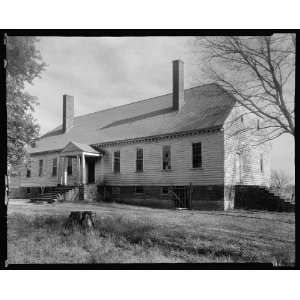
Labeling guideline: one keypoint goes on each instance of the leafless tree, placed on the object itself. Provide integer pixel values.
(260, 72)
(279, 180)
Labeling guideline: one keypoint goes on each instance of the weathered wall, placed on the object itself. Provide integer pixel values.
(182, 173)
(46, 179)
(250, 152)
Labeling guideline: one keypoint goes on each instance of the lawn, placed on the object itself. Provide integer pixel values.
(130, 234)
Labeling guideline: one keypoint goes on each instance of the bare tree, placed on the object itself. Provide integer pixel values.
(260, 73)
(279, 180)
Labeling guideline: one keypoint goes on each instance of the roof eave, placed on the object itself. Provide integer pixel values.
(141, 139)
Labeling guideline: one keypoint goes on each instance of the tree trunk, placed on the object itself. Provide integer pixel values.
(80, 220)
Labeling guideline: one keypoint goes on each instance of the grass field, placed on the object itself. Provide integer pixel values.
(130, 234)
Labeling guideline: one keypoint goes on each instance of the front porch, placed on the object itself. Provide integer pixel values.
(85, 160)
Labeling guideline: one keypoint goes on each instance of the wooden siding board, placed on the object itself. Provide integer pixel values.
(182, 173)
(47, 179)
(250, 154)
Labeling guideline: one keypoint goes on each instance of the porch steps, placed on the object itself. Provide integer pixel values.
(53, 195)
(265, 198)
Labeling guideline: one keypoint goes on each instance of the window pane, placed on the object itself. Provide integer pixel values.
(166, 157)
(40, 167)
(139, 160)
(139, 153)
(117, 161)
(54, 168)
(28, 170)
(139, 165)
(197, 157)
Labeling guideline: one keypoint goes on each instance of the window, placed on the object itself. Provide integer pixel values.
(197, 156)
(54, 167)
(117, 161)
(165, 190)
(28, 190)
(261, 163)
(139, 160)
(69, 169)
(139, 189)
(28, 171)
(41, 167)
(166, 157)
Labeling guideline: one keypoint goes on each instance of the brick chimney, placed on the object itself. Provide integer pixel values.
(68, 112)
(178, 84)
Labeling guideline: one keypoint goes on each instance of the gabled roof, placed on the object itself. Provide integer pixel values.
(77, 147)
(205, 106)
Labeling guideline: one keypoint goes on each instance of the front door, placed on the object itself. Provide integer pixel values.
(90, 170)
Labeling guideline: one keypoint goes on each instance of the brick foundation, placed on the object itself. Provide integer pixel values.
(203, 197)
(209, 197)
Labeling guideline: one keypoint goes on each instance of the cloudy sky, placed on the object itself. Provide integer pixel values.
(111, 71)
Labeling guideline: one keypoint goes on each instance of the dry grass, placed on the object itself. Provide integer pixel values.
(128, 234)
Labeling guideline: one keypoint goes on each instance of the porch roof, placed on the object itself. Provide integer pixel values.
(77, 148)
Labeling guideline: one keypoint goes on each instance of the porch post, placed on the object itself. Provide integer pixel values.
(57, 169)
(83, 168)
(78, 169)
(61, 168)
(65, 170)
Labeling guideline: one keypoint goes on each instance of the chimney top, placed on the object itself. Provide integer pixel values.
(178, 84)
(68, 112)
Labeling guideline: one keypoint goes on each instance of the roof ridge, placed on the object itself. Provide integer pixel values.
(131, 103)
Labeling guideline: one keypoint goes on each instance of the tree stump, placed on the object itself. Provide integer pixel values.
(80, 220)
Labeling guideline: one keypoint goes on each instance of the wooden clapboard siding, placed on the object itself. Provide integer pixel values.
(47, 179)
(250, 154)
(182, 173)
